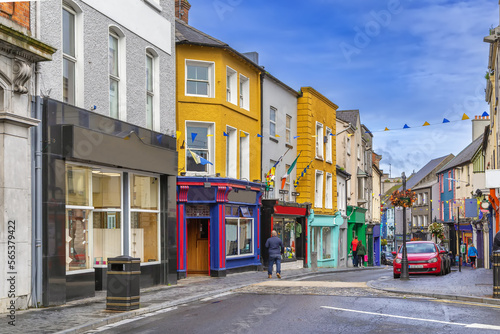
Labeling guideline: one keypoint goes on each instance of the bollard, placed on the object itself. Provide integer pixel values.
(314, 261)
(496, 274)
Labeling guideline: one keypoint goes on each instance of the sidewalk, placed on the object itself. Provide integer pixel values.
(87, 314)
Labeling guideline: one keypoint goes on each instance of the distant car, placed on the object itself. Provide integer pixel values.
(446, 260)
(424, 257)
(386, 258)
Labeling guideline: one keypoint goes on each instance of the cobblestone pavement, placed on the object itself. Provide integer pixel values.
(82, 315)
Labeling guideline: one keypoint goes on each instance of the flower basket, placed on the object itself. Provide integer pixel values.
(403, 198)
(437, 229)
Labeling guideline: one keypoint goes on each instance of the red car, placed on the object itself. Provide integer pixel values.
(424, 257)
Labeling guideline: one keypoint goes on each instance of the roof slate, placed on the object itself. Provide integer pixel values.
(186, 33)
(423, 172)
(465, 155)
(350, 116)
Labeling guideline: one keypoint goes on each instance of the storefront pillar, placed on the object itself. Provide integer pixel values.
(217, 240)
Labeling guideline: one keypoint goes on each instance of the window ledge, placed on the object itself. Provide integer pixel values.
(274, 139)
(154, 5)
(289, 146)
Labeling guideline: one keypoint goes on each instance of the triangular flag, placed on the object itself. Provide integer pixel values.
(296, 137)
(198, 159)
(445, 120)
(177, 134)
(126, 137)
(485, 114)
(406, 126)
(159, 137)
(225, 134)
(386, 129)
(210, 135)
(258, 135)
(277, 135)
(464, 117)
(313, 135)
(426, 123)
(193, 136)
(283, 178)
(331, 134)
(242, 134)
(348, 135)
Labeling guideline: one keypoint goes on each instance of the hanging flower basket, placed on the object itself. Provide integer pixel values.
(437, 229)
(403, 198)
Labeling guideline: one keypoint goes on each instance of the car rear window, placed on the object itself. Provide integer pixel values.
(419, 248)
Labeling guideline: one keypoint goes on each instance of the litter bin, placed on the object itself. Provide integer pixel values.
(123, 285)
(314, 261)
(496, 274)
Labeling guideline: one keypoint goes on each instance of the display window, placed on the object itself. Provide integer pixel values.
(286, 229)
(239, 236)
(77, 239)
(144, 213)
(322, 242)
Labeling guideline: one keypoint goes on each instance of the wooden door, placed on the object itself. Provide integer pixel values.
(197, 246)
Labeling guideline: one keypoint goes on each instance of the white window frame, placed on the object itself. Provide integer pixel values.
(231, 86)
(231, 152)
(78, 59)
(319, 141)
(122, 72)
(238, 235)
(425, 221)
(271, 121)
(244, 155)
(424, 198)
(318, 188)
(210, 148)
(244, 99)
(329, 191)
(288, 129)
(348, 145)
(155, 93)
(211, 76)
(328, 145)
(415, 221)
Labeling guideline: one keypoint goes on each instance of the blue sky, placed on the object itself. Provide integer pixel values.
(397, 61)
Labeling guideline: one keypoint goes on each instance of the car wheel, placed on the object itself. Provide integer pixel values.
(397, 275)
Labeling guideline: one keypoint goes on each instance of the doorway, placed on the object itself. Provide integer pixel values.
(198, 246)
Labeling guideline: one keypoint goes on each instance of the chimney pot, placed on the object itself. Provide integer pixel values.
(182, 10)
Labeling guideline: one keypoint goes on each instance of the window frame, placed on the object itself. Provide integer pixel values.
(120, 78)
(210, 65)
(231, 152)
(329, 191)
(328, 146)
(238, 219)
(244, 156)
(244, 92)
(155, 93)
(210, 147)
(78, 58)
(288, 129)
(231, 85)
(318, 195)
(319, 141)
(271, 121)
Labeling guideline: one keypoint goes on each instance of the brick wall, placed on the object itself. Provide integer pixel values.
(18, 12)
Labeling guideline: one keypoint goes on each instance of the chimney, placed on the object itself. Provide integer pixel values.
(182, 10)
(478, 124)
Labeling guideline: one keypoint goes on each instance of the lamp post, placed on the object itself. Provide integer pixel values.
(405, 275)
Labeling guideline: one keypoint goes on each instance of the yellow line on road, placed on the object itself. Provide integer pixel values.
(315, 284)
(466, 303)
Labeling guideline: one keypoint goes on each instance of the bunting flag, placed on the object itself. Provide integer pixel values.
(426, 123)
(386, 129)
(199, 160)
(485, 114)
(193, 136)
(296, 183)
(445, 120)
(177, 134)
(225, 134)
(288, 172)
(270, 178)
(277, 135)
(159, 138)
(464, 117)
(210, 135)
(406, 126)
(295, 137)
(242, 134)
(259, 135)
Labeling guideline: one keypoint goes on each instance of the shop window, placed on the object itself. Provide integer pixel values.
(144, 213)
(77, 241)
(286, 232)
(239, 236)
(78, 185)
(326, 238)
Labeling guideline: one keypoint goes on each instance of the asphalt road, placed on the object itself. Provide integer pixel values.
(361, 275)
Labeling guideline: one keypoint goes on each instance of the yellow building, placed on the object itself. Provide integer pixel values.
(316, 128)
(219, 155)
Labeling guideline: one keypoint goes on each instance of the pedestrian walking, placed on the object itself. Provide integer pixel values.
(472, 253)
(354, 250)
(275, 246)
(361, 254)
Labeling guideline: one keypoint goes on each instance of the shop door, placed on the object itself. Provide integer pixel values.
(197, 246)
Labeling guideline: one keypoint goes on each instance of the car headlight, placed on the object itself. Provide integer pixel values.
(433, 260)
(398, 261)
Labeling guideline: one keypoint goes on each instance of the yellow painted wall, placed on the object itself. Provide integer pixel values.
(217, 109)
(313, 107)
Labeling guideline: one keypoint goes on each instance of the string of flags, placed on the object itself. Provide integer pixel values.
(296, 182)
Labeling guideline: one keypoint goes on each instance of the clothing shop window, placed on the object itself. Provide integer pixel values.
(286, 229)
(144, 214)
(239, 236)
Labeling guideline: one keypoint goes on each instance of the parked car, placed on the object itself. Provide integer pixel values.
(424, 257)
(386, 257)
(446, 260)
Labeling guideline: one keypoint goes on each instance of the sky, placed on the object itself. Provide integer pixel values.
(397, 61)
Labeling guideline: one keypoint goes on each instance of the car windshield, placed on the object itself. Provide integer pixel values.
(419, 248)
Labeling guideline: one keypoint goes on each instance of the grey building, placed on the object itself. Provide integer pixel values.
(108, 153)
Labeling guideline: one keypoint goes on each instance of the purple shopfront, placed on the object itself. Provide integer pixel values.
(218, 226)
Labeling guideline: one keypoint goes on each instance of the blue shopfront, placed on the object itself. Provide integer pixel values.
(323, 239)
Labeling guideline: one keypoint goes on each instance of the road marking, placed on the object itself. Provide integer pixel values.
(321, 284)
(480, 326)
(217, 296)
(466, 303)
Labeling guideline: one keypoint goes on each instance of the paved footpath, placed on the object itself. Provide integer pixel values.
(84, 315)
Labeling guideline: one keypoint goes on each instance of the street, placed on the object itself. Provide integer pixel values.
(325, 303)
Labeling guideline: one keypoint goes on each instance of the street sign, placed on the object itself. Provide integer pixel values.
(295, 193)
(282, 191)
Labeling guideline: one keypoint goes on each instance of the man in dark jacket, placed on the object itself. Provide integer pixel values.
(275, 246)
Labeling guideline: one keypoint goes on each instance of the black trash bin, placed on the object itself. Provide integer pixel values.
(123, 286)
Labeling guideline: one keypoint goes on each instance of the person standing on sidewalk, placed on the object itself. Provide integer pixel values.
(275, 246)
(354, 250)
(361, 254)
(472, 253)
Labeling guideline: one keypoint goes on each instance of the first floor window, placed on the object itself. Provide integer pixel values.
(318, 196)
(199, 78)
(239, 236)
(198, 145)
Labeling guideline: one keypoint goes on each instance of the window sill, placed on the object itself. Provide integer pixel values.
(289, 146)
(239, 257)
(319, 158)
(154, 5)
(274, 139)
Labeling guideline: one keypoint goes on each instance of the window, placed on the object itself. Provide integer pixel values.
(152, 94)
(328, 148)
(425, 218)
(329, 192)
(231, 85)
(244, 156)
(450, 210)
(415, 221)
(231, 152)
(272, 121)
(419, 221)
(441, 183)
(198, 143)
(348, 145)
(288, 126)
(144, 214)
(72, 55)
(200, 78)
(319, 140)
(318, 198)
(419, 199)
(117, 79)
(424, 198)
(449, 180)
(244, 92)
(239, 236)
(286, 232)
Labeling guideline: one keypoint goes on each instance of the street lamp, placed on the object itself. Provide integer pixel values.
(405, 275)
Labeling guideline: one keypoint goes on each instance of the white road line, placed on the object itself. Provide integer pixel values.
(217, 296)
(481, 326)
